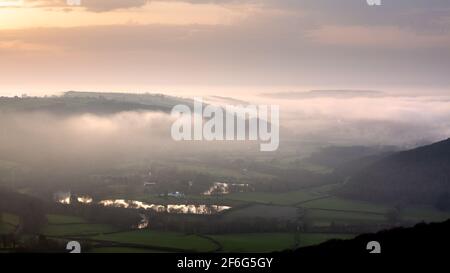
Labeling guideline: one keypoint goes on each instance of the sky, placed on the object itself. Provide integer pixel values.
(224, 46)
(269, 50)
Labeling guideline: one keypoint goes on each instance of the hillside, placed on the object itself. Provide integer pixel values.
(337, 157)
(420, 240)
(91, 102)
(420, 176)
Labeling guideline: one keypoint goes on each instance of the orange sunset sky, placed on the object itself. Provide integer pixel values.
(222, 46)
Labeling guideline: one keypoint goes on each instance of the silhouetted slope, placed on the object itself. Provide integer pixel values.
(421, 175)
(422, 239)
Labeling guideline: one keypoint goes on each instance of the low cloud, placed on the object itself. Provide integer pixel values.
(396, 120)
(339, 94)
(110, 5)
(377, 36)
(74, 142)
(92, 5)
(37, 138)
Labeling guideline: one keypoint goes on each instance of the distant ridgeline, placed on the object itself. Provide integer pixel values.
(73, 102)
(420, 176)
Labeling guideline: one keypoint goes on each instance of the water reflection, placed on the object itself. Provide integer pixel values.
(85, 199)
(172, 208)
(67, 198)
(144, 222)
(220, 188)
(63, 197)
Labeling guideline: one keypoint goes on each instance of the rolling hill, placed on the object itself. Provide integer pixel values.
(74, 102)
(419, 176)
(420, 241)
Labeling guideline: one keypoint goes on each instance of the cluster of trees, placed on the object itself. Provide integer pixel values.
(8, 241)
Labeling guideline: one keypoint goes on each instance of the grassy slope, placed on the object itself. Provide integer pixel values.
(8, 223)
(255, 242)
(77, 229)
(160, 239)
(121, 250)
(269, 242)
(336, 203)
(66, 225)
(288, 198)
(58, 219)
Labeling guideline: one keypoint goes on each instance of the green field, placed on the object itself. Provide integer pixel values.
(58, 219)
(319, 210)
(339, 209)
(326, 217)
(77, 230)
(263, 211)
(288, 198)
(424, 214)
(308, 239)
(270, 242)
(8, 223)
(160, 240)
(220, 171)
(6, 228)
(11, 219)
(107, 240)
(120, 250)
(337, 203)
(255, 242)
(67, 225)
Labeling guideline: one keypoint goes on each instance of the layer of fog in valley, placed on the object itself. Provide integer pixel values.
(349, 162)
(44, 136)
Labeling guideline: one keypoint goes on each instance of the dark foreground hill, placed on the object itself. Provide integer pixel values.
(422, 239)
(420, 176)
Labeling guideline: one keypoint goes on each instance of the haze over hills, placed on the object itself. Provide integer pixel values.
(338, 94)
(339, 157)
(148, 99)
(420, 176)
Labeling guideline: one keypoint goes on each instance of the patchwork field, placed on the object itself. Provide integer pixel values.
(8, 222)
(77, 229)
(58, 219)
(121, 250)
(270, 242)
(64, 225)
(326, 217)
(160, 240)
(263, 211)
(288, 198)
(336, 203)
(106, 239)
(425, 214)
(255, 242)
(220, 171)
(308, 239)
